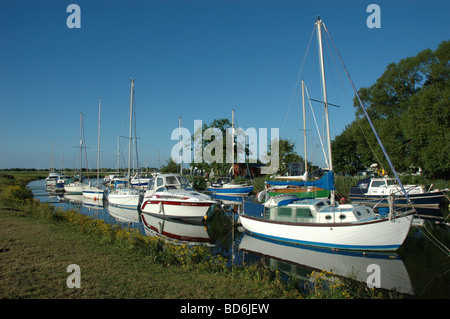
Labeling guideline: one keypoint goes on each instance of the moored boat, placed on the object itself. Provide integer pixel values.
(170, 195)
(124, 195)
(376, 191)
(94, 192)
(344, 226)
(225, 187)
(51, 179)
(312, 222)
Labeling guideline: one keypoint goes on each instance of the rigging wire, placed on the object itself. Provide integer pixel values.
(296, 87)
(440, 245)
(317, 127)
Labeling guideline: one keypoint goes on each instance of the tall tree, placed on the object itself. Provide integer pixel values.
(409, 106)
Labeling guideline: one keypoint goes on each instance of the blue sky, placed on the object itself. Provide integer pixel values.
(196, 59)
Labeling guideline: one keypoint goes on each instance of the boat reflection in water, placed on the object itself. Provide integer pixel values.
(285, 257)
(176, 231)
(124, 215)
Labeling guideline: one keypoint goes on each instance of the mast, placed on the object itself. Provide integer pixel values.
(324, 87)
(53, 164)
(304, 126)
(232, 142)
(181, 147)
(98, 140)
(129, 141)
(81, 143)
(118, 155)
(62, 166)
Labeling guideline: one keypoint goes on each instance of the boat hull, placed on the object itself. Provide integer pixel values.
(231, 191)
(379, 234)
(431, 199)
(125, 200)
(94, 193)
(176, 208)
(74, 188)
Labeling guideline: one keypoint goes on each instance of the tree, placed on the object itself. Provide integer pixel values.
(170, 167)
(409, 106)
(345, 156)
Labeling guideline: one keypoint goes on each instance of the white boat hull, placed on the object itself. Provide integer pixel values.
(176, 208)
(125, 200)
(74, 188)
(379, 234)
(94, 193)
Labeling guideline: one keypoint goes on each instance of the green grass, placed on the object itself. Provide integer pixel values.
(35, 255)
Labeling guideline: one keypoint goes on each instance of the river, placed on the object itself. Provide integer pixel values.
(418, 269)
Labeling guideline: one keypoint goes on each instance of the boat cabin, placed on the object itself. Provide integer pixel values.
(320, 211)
(164, 182)
(344, 214)
(382, 186)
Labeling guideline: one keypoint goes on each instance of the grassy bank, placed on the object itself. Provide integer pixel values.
(39, 242)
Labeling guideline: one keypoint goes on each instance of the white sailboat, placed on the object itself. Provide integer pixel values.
(53, 176)
(96, 192)
(125, 195)
(316, 223)
(75, 187)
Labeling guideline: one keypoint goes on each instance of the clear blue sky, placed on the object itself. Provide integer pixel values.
(196, 59)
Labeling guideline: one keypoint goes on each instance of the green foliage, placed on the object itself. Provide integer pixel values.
(409, 106)
(170, 167)
(199, 183)
(287, 155)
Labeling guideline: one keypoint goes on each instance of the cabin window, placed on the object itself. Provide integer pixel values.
(391, 182)
(378, 184)
(183, 181)
(328, 217)
(342, 216)
(151, 184)
(171, 180)
(159, 182)
(320, 204)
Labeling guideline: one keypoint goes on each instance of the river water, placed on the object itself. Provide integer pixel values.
(418, 269)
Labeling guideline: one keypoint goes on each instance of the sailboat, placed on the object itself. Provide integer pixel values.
(124, 195)
(75, 187)
(96, 192)
(226, 187)
(53, 176)
(320, 223)
(299, 186)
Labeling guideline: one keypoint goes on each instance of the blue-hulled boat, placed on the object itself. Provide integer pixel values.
(224, 187)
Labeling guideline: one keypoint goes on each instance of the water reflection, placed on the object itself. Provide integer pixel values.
(288, 258)
(124, 215)
(186, 232)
